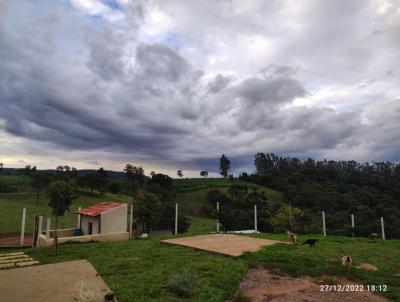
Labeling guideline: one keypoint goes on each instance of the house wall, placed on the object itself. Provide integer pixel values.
(115, 220)
(85, 224)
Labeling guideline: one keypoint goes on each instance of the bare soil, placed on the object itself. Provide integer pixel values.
(13, 240)
(263, 284)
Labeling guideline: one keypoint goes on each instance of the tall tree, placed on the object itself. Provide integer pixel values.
(204, 174)
(224, 166)
(134, 173)
(41, 181)
(60, 194)
(146, 209)
(179, 173)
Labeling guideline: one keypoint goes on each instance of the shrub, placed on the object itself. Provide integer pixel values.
(240, 297)
(181, 286)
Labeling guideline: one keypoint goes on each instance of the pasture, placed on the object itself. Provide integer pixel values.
(141, 269)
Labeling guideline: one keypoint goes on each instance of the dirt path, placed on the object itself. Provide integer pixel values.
(266, 284)
(13, 240)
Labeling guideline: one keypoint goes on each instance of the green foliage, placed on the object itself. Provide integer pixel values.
(11, 183)
(340, 188)
(66, 173)
(192, 184)
(114, 187)
(240, 297)
(236, 208)
(41, 181)
(181, 286)
(161, 179)
(204, 174)
(134, 173)
(179, 173)
(224, 166)
(146, 209)
(61, 194)
(95, 181)
(287, 218)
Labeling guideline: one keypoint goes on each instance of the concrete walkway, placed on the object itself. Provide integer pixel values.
(226, 244)
(60, 282)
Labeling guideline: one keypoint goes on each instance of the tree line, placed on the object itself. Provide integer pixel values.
(340, 188)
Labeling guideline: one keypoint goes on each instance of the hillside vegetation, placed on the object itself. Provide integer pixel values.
(340, 188)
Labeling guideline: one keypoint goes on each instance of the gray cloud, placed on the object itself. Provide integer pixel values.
(115, 91)
(219, 83)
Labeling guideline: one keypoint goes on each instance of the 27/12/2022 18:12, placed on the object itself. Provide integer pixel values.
(353, 288)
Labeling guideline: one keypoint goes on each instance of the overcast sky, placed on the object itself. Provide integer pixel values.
(174, 84)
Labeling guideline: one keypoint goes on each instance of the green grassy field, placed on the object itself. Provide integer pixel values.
(140, 270)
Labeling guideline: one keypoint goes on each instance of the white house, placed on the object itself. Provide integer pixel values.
(104, 218)
(105, 221)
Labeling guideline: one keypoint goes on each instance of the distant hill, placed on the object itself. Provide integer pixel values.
(111, 174)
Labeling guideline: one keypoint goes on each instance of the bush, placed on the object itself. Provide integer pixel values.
(181, 286)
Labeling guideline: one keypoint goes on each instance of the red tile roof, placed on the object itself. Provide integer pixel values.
(98, 208)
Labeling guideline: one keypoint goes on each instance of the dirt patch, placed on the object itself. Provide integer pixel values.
(13, 240)
(367, 266)
(265, 284)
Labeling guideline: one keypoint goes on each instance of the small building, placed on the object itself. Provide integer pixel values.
(105, 221)
(104, 218)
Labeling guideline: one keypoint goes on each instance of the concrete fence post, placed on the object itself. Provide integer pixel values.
(255, 217)
(352, 224)
(40, 227)
(383, 229)
(323, 223)
(78, 222)
(176, 219)
(23, 227)
(48, 228)
(218, 219)
(130, 222)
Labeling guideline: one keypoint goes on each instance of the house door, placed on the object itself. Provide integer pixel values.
(90, 228)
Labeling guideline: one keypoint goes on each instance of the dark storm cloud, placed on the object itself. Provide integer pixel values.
(105, 53)
(273, 90)
(160, 62)
(108, 87)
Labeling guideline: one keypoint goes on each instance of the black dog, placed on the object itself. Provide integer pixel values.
(310, 242)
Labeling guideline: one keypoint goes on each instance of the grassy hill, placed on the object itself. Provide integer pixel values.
(190, 195)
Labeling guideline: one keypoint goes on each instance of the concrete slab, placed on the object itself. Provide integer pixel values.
(52, 283)
(226, 244)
